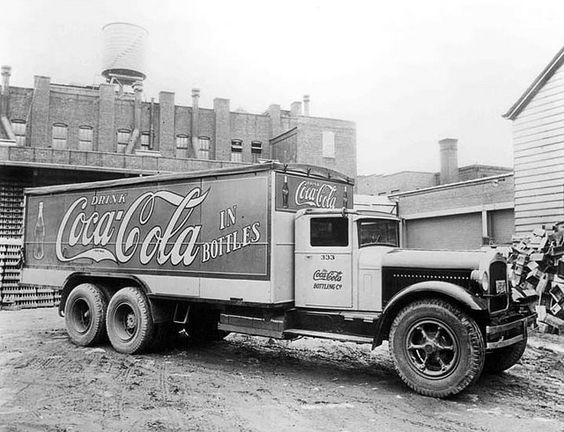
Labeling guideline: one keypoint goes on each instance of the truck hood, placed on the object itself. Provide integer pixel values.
(378, 257)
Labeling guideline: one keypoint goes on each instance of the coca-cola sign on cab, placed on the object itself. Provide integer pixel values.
(316, 194)
(294, 193)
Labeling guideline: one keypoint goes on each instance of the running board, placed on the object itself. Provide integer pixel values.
(256, 326)
(324, 335)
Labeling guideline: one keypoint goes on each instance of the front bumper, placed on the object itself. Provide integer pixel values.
(509, 333)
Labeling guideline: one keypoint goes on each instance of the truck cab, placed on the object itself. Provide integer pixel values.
(338, 257)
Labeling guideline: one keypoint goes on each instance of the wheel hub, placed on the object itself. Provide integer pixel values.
(432, 349)
(130, 321)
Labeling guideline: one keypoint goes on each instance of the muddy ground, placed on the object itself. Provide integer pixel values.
(253, 384)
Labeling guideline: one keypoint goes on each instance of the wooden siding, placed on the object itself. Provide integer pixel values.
(538, 137)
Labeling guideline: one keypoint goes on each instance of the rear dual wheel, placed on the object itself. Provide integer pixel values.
(437, 349)
(85, 314)
(129, 321)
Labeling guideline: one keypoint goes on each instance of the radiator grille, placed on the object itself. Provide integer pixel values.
(498, 272)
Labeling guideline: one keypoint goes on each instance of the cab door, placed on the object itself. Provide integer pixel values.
(323, 261)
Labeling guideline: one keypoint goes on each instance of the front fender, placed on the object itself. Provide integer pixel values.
(433, 289)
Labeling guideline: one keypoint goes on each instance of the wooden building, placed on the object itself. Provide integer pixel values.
(538, 148)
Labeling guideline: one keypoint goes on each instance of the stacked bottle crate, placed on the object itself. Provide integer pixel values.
(11, 209)
(12, 293)
(10, 249)
(45, 296)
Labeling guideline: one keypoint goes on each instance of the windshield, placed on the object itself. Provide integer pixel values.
(378, 232)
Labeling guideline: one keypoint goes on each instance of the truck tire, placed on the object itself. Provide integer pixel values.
(129, 321)
(437, 349)
(85, 315)
(502, 359)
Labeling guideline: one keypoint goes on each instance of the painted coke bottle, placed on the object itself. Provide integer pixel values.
(39, 235)
(285, 192)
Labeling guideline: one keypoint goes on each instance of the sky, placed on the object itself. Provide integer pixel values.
(407, 72)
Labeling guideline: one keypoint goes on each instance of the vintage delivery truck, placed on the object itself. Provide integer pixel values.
(271, 250)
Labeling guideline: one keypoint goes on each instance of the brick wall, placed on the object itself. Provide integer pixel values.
(457, 196)
(310, 143)
(376, 184)
(248, 128)
(107, 111)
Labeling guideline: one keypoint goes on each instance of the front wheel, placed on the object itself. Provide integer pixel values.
(437, 349)
(129, 321)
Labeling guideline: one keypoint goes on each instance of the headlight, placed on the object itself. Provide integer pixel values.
(485, 282)
(482, 278)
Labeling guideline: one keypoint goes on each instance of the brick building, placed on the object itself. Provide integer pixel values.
(56, 133)
(379, 184)
(456, 208)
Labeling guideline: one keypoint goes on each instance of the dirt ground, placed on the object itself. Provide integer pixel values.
(253, 384)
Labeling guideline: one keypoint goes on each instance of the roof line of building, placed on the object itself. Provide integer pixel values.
(536, 85)
(398, 172)
(465, 167)
(452, 185)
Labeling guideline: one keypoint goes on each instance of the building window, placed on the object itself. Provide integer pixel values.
(145, 140)
(203, 148)
(236, 151)
(19, 128)
(328, 144)
(256, 150)
(60, 136)
(122, 139)
(85, 138)
(182, 141)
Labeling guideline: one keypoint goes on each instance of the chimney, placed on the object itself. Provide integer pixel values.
(195, 131)
(134, 138)
(449, 160)
(138, 90)
(5, 90)
(295, 109)
(306, 105)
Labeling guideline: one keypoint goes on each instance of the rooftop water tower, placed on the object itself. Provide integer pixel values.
(123, 59)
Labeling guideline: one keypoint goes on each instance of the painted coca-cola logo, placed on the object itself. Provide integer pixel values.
(326, 275)
(316, 194)
(116, 235)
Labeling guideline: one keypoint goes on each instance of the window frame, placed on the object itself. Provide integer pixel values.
(85, 142)
(360, 231)
(20, 137)
(321, 236)
(145, 145)
(328, 146)
(182, 137)
(59, 142)
(256, 150)
(120, 145)
(204, 150)
(236, 150)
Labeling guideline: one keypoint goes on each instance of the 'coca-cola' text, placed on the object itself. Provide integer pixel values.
(316, 194)
(176, 242)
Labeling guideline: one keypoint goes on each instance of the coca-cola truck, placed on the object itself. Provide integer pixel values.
(271, 250)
